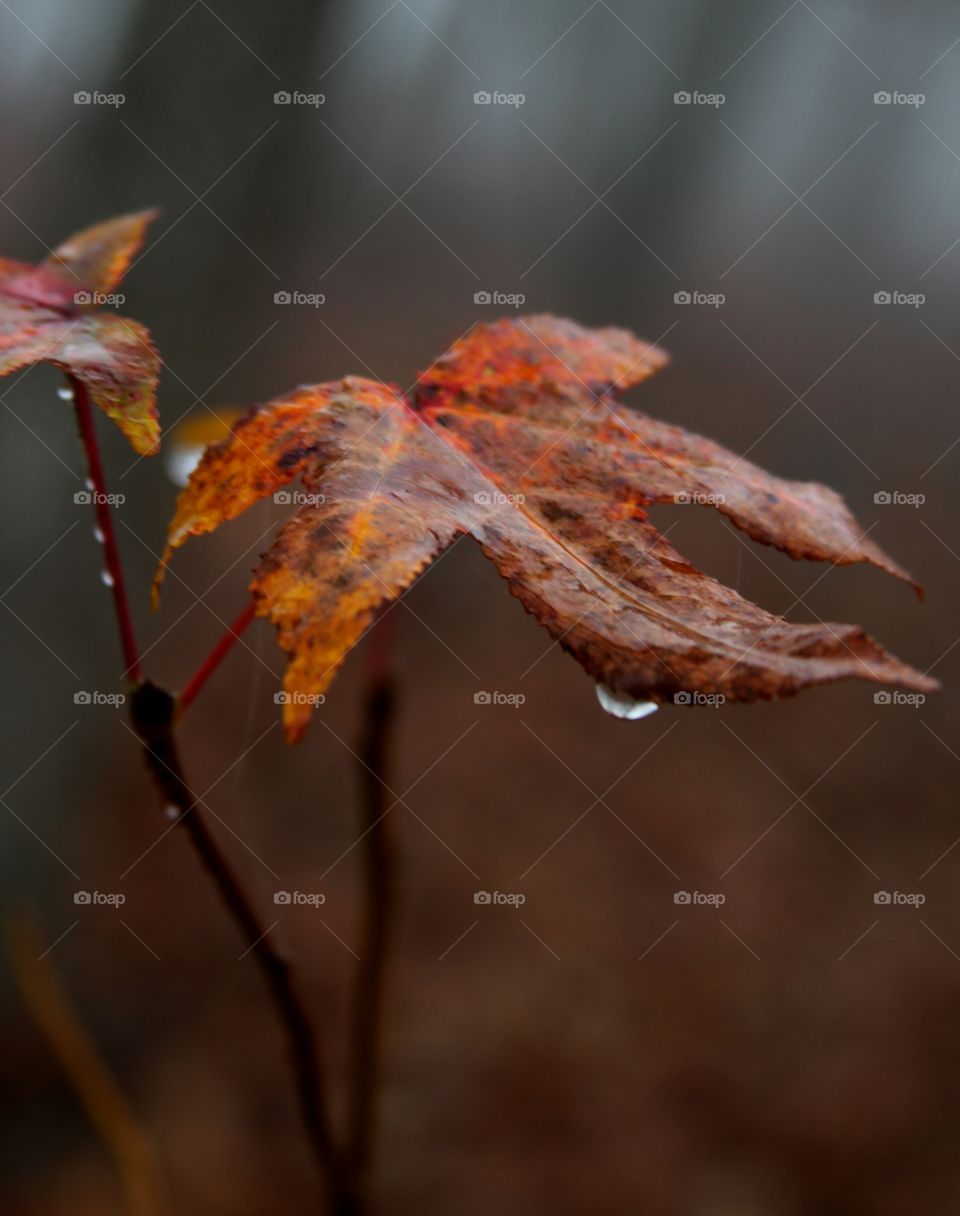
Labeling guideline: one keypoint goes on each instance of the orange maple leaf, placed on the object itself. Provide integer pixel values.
(514, 438)
(49, 313)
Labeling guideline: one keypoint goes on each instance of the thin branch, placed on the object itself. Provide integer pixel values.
(379, 892)
(153, 712)
(91, 1080)
(114, 569)
(214, 659)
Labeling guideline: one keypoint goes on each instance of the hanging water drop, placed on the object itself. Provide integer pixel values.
(65, 393)
(180, 462)
(106, 578)
(621, 705)
(98, 535)
(89, 484)
(171, 811)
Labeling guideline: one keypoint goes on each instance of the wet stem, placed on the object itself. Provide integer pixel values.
(114, 569)
(214, 659)
(379, 861)
(153, 714)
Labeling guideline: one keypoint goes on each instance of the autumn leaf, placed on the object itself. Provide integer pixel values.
(49, 314)
(514, 437)
(186, 442)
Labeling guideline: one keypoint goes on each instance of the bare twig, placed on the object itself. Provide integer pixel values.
(153, 712)
(379, 890)
(91, 1080)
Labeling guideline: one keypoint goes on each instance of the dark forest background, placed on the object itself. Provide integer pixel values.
(601, 1049)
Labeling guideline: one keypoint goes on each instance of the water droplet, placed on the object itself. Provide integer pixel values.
(89, 484)
(181, 461)
(171, 811)
(65, 393)
(98, 535)
(106, 578)
(623, 706)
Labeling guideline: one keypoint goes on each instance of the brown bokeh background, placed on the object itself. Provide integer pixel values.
(600, 1049)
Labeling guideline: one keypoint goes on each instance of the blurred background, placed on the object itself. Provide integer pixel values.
(601, 1048)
